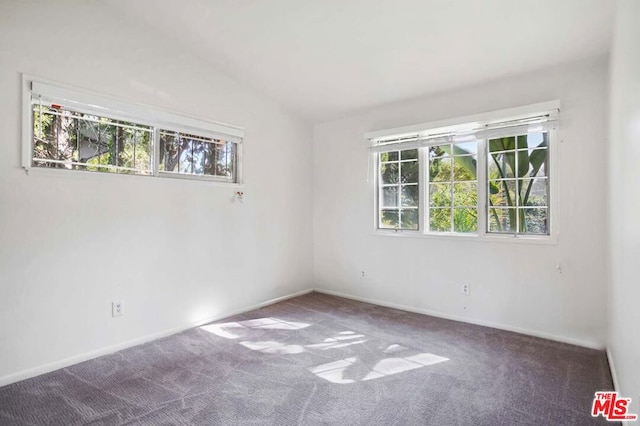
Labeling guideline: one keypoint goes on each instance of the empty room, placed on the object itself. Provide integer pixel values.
(305, 212)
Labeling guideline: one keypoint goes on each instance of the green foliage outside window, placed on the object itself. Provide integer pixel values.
(86, 142)
(517, 186)
(453, 190)
(399, 189)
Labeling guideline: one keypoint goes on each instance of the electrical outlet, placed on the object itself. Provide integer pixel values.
(362, 275)
(466, 289)
(117, 309)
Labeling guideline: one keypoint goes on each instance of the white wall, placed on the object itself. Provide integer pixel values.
(513, 285)
(175, 251)
(624, 201)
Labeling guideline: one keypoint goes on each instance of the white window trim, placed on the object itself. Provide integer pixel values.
(481, 235)
(129, 111)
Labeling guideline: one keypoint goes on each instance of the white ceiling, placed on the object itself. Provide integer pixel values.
(327, 58)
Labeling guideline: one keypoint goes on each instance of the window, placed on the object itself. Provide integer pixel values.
(481, 177)
(74, 130)
(195, 155)
(399, 189)
(63, 138)
(453, 188)
(517, 184)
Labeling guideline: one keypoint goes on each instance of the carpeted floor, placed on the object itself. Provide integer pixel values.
(318, 359)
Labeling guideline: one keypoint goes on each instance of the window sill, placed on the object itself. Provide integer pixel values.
(522, 239)
(88, 175)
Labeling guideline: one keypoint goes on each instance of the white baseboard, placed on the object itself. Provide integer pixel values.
(56, 365)
(534, 333)
(614, 377)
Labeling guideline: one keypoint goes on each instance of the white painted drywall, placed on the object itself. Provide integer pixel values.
(624, 201)
(175, 251)
(513, 285)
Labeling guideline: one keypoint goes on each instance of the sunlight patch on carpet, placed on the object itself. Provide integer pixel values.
(334, 372)
(269, 323)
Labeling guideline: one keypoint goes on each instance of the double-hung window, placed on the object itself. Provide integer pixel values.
(75, 130)
(484, 175)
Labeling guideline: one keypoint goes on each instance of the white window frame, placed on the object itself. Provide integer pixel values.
(379, 192)
(113, 108)
(472, 122)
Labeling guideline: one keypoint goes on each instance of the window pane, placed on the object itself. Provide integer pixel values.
(389, 173)
(168, 152)
(389, 156)
(502, 220)
(440, 220)
(533, 192)
(465, 168)
(523, 163)
(465, 148)
(440, 195)
(207, 161)
(409, 218)
(409, 154)
(92, 140)
(537, 162)
(73, 140)
(440, 169)
(185, 154)
(502, 165)
(502, 144)
(223, 160)
(465, 220)
(438, 151)
(197, 155)
(410, 195)
(502, 193)
(535, 140)
(536, 155)
(390, 196)
(534, 221)
(409, 172)
(521, 142)
(389, 219)
(465, 194)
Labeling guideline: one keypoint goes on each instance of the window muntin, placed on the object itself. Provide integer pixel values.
(518, 185)
(70, 129)
(63, 138)
(399, 190)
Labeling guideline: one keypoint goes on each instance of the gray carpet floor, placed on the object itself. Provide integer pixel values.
(318, 359)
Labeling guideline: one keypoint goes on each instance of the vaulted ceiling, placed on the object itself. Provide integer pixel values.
(327, 58)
